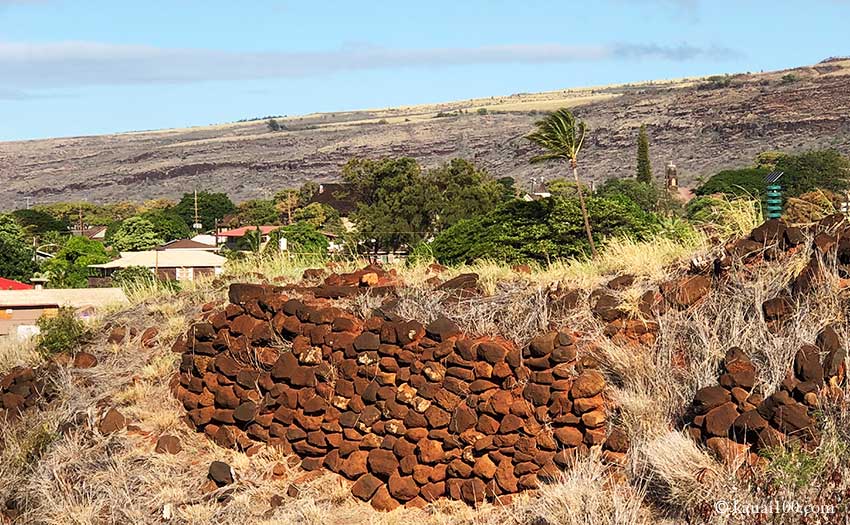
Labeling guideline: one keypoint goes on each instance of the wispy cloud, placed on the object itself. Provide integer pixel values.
(28, 66)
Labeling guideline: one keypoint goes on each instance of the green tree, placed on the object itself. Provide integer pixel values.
(462, 191)
(541, 231)
(302, 238)
(136, 234)
(16, 261)
(306, 192)
(256, 211)
(561, 187)
(38, 222)
(396, 203)
(286, 202)
(321, 216)
(69, 268)
(737, 182)
(812, 170)
(212, 207)
(562, 136)
(645, 195)
(508, 185)
(167, 225)
(644, 166)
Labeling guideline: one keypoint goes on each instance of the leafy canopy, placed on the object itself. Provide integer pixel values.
(212, 207)
(520, 231)
(136, 234)
(16, 261)
(69, 268)
(561, 135)
(302, 238)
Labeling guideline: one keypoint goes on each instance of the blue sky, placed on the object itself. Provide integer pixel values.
(89, 66)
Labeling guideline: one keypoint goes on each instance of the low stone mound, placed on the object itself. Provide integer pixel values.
(409, 412)
(21, 388)
(734, 413)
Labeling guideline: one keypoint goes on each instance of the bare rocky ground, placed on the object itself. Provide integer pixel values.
(699, 125)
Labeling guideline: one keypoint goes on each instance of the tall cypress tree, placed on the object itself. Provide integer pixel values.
(644, 168)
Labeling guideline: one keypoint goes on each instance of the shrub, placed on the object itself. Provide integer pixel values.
(737, 182)
(520, 231)
(64, 332)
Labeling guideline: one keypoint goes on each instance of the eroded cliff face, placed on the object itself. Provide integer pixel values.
(699, 125)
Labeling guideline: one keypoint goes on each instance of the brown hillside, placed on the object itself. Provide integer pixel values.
(700, 125)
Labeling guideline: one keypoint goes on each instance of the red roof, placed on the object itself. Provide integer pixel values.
(9, 284)
(240, 232)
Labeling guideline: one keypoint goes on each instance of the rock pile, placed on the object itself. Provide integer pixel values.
(21, 388)
(409, 412)
(372, 279)
(733, 412)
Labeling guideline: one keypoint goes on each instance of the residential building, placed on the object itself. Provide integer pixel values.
(9, 284)
(173, 265)
(188, 245)
(20, 310)
(230, 238)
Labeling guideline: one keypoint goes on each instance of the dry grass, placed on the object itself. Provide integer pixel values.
(59, 469)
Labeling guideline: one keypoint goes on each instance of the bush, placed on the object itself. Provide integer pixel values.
(64, 332)
(737, 182)
(301, 238)
(819, 169)
(539, 231)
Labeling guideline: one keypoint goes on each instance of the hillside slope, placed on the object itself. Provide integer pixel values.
(701, 125)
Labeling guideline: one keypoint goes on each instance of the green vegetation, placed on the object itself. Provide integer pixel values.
(256, 211)
(212, 207)
(737, 182)
(167, 225)
(64, 332)
(562, 136)
(302, 238)
(646, 195)
(17, 253)
(803, 173)
(644, 166)
(540, 231)
(136, 234)
(69, 268)
(38, 222)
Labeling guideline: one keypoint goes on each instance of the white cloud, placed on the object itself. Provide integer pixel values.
(28, 66)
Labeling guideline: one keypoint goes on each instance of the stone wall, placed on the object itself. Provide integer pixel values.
(408, 412)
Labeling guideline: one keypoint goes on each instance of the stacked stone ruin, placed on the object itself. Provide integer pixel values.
(735, 412)
(409, 412)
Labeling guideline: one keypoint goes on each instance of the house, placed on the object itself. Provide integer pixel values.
(230, 238)
(173, 265)
(205, 238)
(20, 310)
(188, 245)
(529, 197)
(9, 284)
(95, 233)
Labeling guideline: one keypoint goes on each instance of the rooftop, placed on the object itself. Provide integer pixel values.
(166, 259)
(187, 244)
(240, 232)
(9, 284)
(64, 297)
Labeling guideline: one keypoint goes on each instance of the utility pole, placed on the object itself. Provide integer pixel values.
(81, 218)
(197, 224)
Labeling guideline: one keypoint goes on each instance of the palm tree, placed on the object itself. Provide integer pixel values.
(562, 136)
